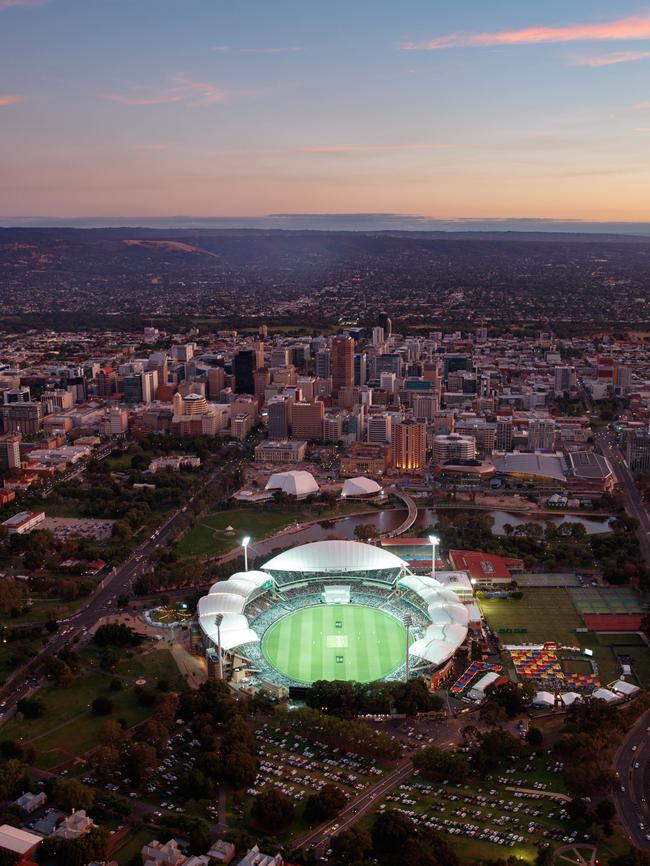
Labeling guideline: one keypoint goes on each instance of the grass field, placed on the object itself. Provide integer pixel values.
(335, 642)
(207, 538)
(68, 728)
(546, 614)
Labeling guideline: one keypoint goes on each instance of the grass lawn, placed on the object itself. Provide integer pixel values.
(605, 647)
(132, 845)
(207, 538)
(335, 642)
(68, 728)
(546, 614)
(15, 653)
(158, 664)
(44, 609)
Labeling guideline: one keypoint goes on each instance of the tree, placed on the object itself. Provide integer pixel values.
(139, 759)
(435, 763)
(272, 810)
(102, 706)
(352, 845)
(104, 760)
(112, 734)
(534, 737)
(605, 811)
(116, 634)
(31, 708)
(239, 767)
(390, 832)
(325, 804)
(70, 794)
(14, 778)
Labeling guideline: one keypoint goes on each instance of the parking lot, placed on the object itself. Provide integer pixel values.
(519, 808)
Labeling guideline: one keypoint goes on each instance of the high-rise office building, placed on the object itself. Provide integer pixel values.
(323, 366)
(409, 445)
(279, 414)
(342, 360)
(637, 449)
(243, 367)
(386, 323)
(26, 418)
(541, 434)
(216, 382)
(453, 447)
(565, 381)
(307, 420)
(379, 428)
(503, 437)
(10, 451)
(360, 368)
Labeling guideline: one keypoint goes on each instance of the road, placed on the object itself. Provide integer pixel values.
(101, 603)
(318, 838)
(606, 442)
(634, 783)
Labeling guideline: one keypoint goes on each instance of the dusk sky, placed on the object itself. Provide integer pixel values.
(207, 107)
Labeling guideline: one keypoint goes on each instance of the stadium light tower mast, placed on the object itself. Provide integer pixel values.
(218, 620)
(244, 543)
(408, 622)
(435, 541)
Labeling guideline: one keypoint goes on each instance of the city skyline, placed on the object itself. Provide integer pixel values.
(159, 108)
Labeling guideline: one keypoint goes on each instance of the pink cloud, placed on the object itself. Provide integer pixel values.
(609, 59)
(9, 4)
(641, 106)
(10, 99)
(632, 27)
(368, 148)
(180, 89)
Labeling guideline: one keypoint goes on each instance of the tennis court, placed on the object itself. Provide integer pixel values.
(606, 599)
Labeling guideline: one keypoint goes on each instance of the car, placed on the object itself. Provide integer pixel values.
(634, 748)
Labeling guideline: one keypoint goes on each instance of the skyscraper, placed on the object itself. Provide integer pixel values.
(342, 363)
(243, 367)
(409, 445)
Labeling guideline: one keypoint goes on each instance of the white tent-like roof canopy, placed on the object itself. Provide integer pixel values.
(334, 556)
(360, 487)
(296, 482)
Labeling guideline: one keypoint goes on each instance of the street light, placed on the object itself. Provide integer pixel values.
(244, 543)
(218, 620)
(435, 541)
(408, 622)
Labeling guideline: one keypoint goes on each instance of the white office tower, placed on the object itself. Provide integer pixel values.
(541, 434)
(378, 337)
(425, 406)
(566, 382)
(379, 428)
(387, 382)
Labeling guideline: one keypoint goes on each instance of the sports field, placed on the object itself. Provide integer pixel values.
(335, 642)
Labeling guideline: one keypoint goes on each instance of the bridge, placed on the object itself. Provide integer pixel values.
(410, 519)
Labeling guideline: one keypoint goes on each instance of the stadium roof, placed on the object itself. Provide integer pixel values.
(334, 556)
(360, 487)
(228, 599)
(449, 620)
(296, 482)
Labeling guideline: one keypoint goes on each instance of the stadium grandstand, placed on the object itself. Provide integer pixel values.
(329, 610)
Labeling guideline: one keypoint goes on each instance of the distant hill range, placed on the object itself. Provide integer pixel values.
(488, 229)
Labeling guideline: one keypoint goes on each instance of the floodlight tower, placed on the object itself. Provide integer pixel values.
(244, 543)
(218, 620)
(408, 622)
(435, 541)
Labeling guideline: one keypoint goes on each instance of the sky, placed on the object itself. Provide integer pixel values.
(451, 110)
